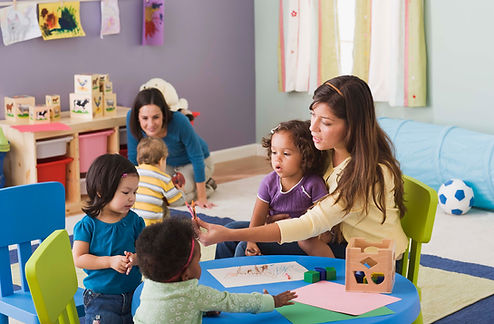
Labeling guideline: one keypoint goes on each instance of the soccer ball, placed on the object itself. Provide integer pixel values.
(455, 197)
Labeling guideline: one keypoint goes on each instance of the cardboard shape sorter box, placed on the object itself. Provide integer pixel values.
(39, 114)
(86, 106)
(17, 108)
(86, 83)
(370, 266)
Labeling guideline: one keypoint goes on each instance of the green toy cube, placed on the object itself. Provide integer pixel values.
(330, 273)
(311, 276)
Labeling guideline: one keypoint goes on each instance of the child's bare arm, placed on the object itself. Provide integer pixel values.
(83, 259)
(259, 216)
(284, 298)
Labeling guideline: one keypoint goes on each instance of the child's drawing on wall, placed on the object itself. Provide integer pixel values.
(153, 22)
(110, 19)
(60, 20)
(19, 23)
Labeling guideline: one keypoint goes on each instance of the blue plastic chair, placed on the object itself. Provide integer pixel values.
(28, 212)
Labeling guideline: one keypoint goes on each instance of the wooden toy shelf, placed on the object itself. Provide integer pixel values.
(20, 161)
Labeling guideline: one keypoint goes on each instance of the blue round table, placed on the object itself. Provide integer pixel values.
(405, 311)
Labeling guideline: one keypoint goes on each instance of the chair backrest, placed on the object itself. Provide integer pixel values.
(51, 275)
(421, 204)
(29, 212)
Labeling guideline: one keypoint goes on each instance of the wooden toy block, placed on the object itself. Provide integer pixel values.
(108, 87)
(110, 104)
(370, 266)
(102, 79)
(311, 276)
(39, 114)
(330, 273)
(53, 101)
(322, 273)
(86, 106)
(86, 84)
(17, 108)
(55, 113)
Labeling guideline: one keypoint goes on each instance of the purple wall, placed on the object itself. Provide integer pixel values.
(208, 56)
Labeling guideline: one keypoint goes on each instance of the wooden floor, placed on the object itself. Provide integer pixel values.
(241, 168)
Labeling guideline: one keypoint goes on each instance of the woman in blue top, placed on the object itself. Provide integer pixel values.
(188, 153)
(104, 240)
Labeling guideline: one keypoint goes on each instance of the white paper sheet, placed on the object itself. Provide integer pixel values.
(258, 274)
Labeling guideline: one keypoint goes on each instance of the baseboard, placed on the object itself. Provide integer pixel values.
(237, 152)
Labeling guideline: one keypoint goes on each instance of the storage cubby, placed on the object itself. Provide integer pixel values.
(22, 164)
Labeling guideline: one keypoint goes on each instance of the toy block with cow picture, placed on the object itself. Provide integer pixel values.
(86, 106)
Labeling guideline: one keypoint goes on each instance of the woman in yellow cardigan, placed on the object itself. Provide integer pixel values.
(363, 178)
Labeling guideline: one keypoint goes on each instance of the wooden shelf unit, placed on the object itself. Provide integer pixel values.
(20, 161)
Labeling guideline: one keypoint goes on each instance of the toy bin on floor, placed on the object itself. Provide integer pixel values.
(92, 145)
(53, 169)
(4, 148)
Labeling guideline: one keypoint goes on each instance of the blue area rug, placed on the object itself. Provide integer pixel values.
(480, 312)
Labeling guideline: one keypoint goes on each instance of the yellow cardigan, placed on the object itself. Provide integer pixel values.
(326, 214)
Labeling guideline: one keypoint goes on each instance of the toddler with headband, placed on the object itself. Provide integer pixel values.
(169, 256)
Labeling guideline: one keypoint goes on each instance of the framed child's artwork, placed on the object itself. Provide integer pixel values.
(153, 22)
(60, 20)
(19, 23)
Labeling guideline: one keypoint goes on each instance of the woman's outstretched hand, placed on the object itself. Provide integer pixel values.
(213, 234)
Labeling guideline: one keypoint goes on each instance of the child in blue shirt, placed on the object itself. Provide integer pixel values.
(104, 240)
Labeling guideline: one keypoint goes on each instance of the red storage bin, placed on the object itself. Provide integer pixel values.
(53, 169)
(92, 145)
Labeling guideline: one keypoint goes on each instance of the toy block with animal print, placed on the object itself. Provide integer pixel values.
(17, 108)
(110, 104)
(86, 106)
(370, 266)
(39, 114)
(53, 101)
(86, 84)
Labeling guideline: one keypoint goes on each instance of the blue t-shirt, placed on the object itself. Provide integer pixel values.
(107, 239)
(184, 145)
(295, 201)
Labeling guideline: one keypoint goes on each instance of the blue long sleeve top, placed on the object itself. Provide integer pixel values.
(184, 145)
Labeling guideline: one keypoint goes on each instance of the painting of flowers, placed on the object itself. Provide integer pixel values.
(60, 20)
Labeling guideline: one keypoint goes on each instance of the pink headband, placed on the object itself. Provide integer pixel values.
(191, 254)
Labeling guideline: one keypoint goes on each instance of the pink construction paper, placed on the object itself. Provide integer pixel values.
(333, 296)
(33, 128)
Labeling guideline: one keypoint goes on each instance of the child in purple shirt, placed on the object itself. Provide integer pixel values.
(292, 188)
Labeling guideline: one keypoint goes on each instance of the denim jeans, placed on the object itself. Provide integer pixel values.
(109, 309)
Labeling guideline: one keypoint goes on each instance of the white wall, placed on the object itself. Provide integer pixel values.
(460, 69)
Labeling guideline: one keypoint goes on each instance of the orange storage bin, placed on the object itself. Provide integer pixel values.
(53, 169)
(92, 145)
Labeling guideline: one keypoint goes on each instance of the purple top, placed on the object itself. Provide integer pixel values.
(294, 202)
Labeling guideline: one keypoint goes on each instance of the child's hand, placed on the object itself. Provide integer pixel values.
(275, 218)
(212, 314)
(119, 263)
(284, 298)
(252, 249)
(131, 259)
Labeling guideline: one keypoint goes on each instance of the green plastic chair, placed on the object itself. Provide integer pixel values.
(421, 204)
(52, 279)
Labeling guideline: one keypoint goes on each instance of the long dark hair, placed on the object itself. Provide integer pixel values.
(350, 99)
(150, 96)
(102, 180)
